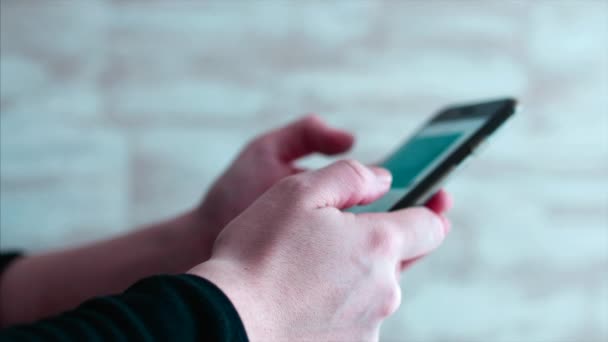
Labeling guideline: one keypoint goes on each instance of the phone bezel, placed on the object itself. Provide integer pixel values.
(426, 187)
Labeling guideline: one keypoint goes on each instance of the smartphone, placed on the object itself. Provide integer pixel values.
(421, 165)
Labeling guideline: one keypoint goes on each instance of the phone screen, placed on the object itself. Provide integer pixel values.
(412, 161)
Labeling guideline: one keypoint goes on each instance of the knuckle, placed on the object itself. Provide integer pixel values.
(390, 299)
(358, 173)
(261, 142)
(259, 147)
(381, 240)
(310, 119)
(294, 187)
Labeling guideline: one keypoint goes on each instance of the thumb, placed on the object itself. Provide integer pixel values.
(346, 183)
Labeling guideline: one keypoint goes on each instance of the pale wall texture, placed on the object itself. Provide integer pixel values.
(114, 114)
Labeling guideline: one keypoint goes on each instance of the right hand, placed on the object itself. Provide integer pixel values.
(296, 267)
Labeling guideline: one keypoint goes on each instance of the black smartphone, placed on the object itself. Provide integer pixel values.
(422, 163)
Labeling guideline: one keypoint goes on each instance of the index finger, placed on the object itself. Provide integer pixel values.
(308, 135)
(412, 232)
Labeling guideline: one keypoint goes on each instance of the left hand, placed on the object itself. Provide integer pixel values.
(267, 159)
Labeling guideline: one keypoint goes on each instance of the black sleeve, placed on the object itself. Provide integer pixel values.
(6, 258)
(159, 308)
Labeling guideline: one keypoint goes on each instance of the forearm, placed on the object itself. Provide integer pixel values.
(46, 284)
(160, 308)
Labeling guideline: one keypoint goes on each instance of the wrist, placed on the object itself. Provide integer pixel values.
(244, 294)
(197, 235)
(185, 241)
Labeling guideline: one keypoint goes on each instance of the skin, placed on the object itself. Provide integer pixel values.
(42, 285)
(298, 268)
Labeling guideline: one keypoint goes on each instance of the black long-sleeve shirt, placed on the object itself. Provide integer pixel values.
(158, 308)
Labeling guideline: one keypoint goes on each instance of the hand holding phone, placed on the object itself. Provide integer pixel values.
(421, 165)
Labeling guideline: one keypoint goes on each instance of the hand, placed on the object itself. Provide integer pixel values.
(266, 160)
(296, 267)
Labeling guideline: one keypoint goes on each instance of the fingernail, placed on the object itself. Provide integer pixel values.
(382, 175)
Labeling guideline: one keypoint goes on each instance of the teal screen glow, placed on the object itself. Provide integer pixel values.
(416, 156)
(407, 163)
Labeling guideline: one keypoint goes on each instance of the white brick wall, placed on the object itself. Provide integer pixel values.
(109, 110)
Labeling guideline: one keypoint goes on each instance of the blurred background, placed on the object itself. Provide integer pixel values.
(115, 114)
